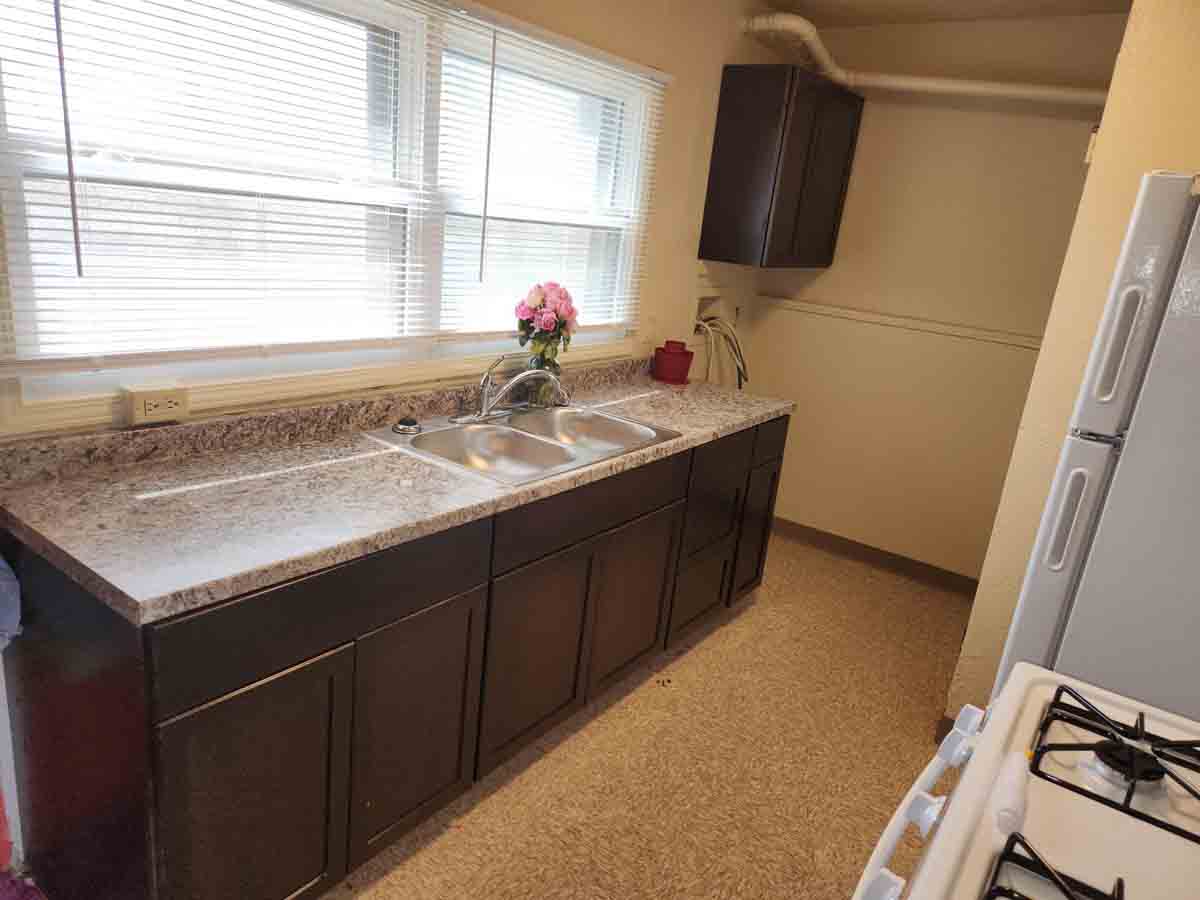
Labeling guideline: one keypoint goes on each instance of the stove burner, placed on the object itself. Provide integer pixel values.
(1127, 756)
(1019, 862)
(1128, 763)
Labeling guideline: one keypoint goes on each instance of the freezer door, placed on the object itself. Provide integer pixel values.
(1084, 468)
(1162, 217)
(1135, 626)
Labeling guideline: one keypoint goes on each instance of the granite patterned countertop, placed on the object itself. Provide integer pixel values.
(159, 539)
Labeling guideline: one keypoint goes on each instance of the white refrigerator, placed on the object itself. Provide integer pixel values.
(1112, 590)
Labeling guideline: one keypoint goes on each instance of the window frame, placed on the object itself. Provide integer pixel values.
(625, 181)
(225, 385)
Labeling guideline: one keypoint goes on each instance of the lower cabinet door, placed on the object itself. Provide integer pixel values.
(416, 711)
(758, 514)
(537, 639)
(701, 586)
(251, 788)
(637, 566)
(715, 490)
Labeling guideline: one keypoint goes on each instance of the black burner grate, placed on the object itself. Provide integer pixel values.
(1148, 758)
(1018, 854)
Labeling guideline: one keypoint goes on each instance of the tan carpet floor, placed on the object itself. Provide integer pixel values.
(763, 762)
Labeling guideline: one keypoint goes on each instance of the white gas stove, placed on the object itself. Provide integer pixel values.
(1069, 792)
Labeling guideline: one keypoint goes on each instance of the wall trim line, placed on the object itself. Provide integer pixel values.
(908, 323)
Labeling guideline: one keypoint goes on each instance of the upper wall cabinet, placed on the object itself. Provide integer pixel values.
(780, 164)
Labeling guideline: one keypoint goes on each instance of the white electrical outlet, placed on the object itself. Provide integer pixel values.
(146, 404)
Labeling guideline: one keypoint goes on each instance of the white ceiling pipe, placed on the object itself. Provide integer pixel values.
(796, 29)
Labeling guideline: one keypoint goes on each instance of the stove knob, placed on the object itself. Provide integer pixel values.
(886, 885)
(956, 748)
(925, 810)
(969, 719)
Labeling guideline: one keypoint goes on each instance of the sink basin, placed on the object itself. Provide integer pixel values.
(496, 450)
(584, 429)
(528, 444)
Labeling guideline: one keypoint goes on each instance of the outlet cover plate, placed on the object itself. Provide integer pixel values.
(146, 404)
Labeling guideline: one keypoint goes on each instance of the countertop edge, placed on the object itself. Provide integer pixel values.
(86, 577)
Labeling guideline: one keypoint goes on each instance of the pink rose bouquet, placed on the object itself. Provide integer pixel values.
(546, 319)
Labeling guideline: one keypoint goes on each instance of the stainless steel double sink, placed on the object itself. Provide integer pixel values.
(529, 444)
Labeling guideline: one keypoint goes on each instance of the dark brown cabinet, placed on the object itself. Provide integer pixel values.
(701, 586)
(730, 511)
(637, 569)
(290, 733)
(536, 644)
(758, 508)
(781, 160)
(563, 628)
(758, 513)
(251, 789)
(416, 712)
(715, 490)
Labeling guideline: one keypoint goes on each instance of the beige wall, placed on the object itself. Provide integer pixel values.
(956, 221)
(1150, 122)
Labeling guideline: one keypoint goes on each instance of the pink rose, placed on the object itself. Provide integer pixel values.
(558, 298)
(546, 320)
(555, 294)
(524, 311)
(535, 296)
(572, 325)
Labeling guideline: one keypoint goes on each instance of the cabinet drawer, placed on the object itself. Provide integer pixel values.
(770, 440)
(208, 653)
(574, 516)
(701, 587)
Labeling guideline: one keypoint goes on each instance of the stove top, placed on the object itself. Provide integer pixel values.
(1119, 764)
(1109, 795)
(1022, 874)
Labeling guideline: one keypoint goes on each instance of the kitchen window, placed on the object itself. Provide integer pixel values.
(260, 175)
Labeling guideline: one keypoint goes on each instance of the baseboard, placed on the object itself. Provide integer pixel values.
(923, 572)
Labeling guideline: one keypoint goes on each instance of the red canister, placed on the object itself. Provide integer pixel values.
(672, 362)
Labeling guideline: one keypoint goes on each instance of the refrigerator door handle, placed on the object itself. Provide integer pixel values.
(1068, 516)
(1163, 216)
(1059, 554)
(1116, 350)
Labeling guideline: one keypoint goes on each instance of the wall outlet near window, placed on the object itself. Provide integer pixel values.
(147, 404)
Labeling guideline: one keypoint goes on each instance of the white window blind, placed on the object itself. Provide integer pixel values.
(253, 173)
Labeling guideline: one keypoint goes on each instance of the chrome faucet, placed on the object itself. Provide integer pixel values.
(488, 404)
(489, 397)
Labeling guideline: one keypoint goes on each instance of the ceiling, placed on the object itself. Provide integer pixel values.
(879, 12)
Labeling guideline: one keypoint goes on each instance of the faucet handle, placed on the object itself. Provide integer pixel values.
(486, 384)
